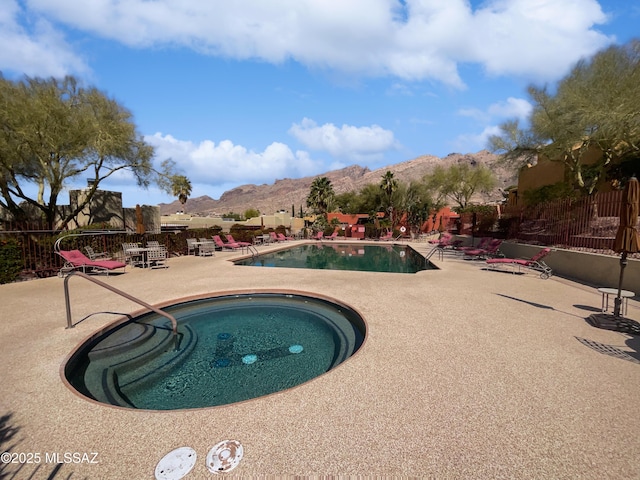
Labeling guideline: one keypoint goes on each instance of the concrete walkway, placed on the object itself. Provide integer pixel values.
(465, 373)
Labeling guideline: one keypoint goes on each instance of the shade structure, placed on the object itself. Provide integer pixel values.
(627, 238)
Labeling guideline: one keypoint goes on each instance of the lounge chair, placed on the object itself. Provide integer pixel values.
(386, 237)
(275, 238)
(482, 244)
(534, 263)
(222, 245)
(491, 251)
(230, 239)
(446, 241)
(283, 238)
(333, 236)
(318, 236)
(93, 255)
(76, 260)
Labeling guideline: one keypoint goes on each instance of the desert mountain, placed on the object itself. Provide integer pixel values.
(284, 193)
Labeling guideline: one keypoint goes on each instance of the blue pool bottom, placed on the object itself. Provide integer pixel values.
(232, 348)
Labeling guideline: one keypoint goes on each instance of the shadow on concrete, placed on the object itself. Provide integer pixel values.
(17, 463)
(615, 351)
(538, 305)
(588, 308)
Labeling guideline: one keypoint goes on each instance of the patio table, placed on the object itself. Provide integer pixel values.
(625, 294)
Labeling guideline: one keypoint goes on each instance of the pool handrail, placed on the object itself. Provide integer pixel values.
(174, 322)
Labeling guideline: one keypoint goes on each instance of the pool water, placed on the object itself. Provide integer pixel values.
(232, 348)
(337, 256)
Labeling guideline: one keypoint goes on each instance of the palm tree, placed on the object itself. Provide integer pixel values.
(321, 195)
(181, 188)
(389, 185)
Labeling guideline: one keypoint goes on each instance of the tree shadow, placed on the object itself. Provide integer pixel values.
(16, 465)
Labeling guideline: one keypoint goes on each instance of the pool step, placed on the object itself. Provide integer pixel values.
(118, 364)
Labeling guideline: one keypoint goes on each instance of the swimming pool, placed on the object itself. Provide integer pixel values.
(232, 347)
(344, 256)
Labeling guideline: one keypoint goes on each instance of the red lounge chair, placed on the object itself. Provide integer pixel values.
(231, 240)
(220, 244)
(283, 238)
(534, 263)
(482, 244)
(333, 236)
(492, 250)
(318, 236)
(446, 241)
(76, 260)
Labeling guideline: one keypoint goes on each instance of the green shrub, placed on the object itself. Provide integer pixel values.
(10, 261)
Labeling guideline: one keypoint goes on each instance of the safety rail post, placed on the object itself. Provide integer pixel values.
(171, 318)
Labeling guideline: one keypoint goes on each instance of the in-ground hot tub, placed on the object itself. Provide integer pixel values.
(230, 348)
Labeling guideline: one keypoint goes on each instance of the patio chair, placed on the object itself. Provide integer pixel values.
(318, 236)
(333, 236)
(157, 257)
(132, 256)
(76, 260)
(446, 241)
(222, 245)
(206, 247)
(230, 239)
(482, 244)
(283, 238)
(534, 263)
(386, 237)
(491, 251)
(274, 237)
(93, 255)
(192, 245)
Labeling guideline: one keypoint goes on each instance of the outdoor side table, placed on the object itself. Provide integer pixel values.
(624, 294)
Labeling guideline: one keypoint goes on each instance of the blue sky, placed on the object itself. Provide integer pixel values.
(252, 91)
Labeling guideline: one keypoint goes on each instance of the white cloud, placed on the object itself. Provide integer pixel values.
(225, 163)
(512, 107)
(34, 48)
(535, 38)
(509, 108)
(496, 113)
(474, 142)
(425, 40)
(351, 142)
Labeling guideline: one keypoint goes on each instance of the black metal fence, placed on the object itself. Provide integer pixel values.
(39, 259)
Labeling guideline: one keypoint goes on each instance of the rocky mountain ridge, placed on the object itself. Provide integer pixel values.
(287, 192)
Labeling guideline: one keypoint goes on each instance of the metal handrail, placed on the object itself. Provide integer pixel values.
(174, 322)
(434, 250)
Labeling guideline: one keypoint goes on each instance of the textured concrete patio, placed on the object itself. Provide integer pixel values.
(465, 373)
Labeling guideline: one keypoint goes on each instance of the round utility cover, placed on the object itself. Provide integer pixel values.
(225, 456)
(176, 464)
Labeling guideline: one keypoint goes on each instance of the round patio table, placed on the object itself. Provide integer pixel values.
(624, 294)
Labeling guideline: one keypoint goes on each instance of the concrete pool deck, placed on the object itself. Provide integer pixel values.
(465, 373)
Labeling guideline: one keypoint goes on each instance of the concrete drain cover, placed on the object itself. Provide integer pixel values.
(176, 464)
(224, 456)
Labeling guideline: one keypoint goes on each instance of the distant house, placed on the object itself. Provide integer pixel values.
(550, 172)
